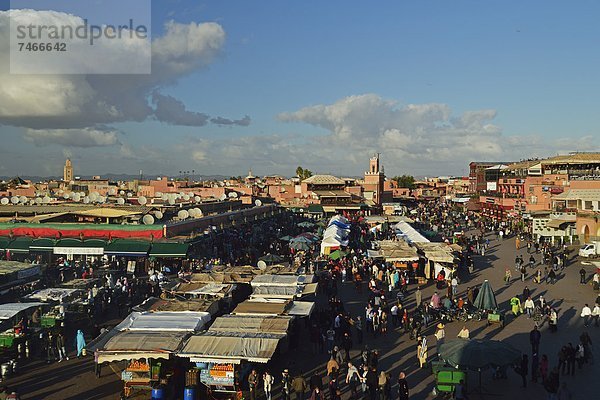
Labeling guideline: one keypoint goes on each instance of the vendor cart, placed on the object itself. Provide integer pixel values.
(495, 317)
(446, 378)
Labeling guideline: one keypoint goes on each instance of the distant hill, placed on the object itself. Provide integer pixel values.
(115, 177)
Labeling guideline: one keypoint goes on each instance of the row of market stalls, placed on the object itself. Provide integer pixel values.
(207, 330)
(335, 235)
(70, 247)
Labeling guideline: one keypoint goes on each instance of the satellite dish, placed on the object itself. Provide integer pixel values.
(4, 201)
(129, 194)
(120, 201)
(76, 197)
(158, 214)
(171, 201)
(164, 196)
(223, 197)
(31, 202)
(38, 200)
(86, 200)
(121, 192)
(186, 197)
(181, 194)
(95, 194)
(197, 199)
(199, 213)
(46, 200)
(262, 265)
(101, 199)
(93, 197)
(14, 199)
(142, 200)
(258, 203)
(112, 191)
(66, 196)
(183, 214)
(148, 219)
(23, 199)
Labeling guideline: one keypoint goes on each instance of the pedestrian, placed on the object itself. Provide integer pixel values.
(580, 355)
(534, 367)
(529, 306)
(454, 284)
(299, 386)
(464, 333)
(596, 314)
(515, 305)
(534, 338)
(60, 347)
(382, 383)
(332, 366)
(403, 392)
(552, 277)
(253, 384)
(523, 273)
(317, 394)
(440, 333)
(586, 314)
(418, 297)
(563, 392)
(553, 320)
(571, 358)
(460, 392)
(80, 340)
(371, 380)
(523, 369)
(544, 368)
(352, 380)
(267, 384)
(358, 325)
(422, 351)
(507, 276)
(286, 385)
(582, 274)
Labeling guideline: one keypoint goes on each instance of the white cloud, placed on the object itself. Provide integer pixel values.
(87, 137)
(80, 101)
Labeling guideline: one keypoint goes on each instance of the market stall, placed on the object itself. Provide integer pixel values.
(68, 304)
(12, 333)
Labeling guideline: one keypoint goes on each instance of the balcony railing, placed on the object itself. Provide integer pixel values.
(502, 195)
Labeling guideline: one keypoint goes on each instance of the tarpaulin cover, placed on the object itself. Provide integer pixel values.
(301, 308)
(287, 292)
(257, 347)
(211, 289)
(10, 310)
(54, 294)
(262, 324)
(187, 321)
(408, 233)
(281, 280)
(135, 345)
(258, 308)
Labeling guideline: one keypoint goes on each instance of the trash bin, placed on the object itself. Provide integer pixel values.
(189, 393)
(158, 393)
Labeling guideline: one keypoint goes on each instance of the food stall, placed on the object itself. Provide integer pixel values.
(11, 334)
(69, 304)
(146, 342)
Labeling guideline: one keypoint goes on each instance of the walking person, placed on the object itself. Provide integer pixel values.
(418, 297)
(534, 338)
(507, 276)
(352, 380)
(422, 351)
(60, 347)
(586, 314)
(80, 340)
(253, 384)
(529, 306)
(582, 276)
(299, 386)
(403, 392)
(523, 370)
(286, 385)
(267, 384)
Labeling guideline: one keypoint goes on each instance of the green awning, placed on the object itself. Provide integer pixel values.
(42, 244)
(315, 209)
(71, 246)
(19, 245)
(131, 248)
(4, 243)
(171, 250)
(71, 242)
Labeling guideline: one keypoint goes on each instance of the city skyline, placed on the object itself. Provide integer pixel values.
(269, 87)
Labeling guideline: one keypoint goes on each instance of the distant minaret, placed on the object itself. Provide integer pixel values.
(68, 171)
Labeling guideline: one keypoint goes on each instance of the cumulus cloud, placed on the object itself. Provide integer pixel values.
(87, 137)
(172, 111)
(82, 101)
(226, 121)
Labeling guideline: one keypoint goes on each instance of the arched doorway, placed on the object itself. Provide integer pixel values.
(586, 233)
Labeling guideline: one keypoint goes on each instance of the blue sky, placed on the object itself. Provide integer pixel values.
(533, 64)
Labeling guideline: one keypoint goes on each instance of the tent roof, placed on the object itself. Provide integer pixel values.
(281, 280)
(211, 288)
(10, 310)
(236, 346)
(409, 233)
(155, 304)
(127, 247)
(53, 294)
(262, 324)
(258, 308)
(184, 321)
(132, 345)
(169, 249)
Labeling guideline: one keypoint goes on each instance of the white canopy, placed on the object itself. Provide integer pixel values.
(281, 280)
(53, 294)
(174, 321)
(409, 233)
(10, 310)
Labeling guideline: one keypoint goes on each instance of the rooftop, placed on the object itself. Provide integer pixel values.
(324, 180)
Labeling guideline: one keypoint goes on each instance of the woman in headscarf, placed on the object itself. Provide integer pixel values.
(80, 343)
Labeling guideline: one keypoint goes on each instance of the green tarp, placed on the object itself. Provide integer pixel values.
(486, 300)
(170, 250)
(19, 245)
(43, 244)
(70, 242)
(133, 248)
(4, 243)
